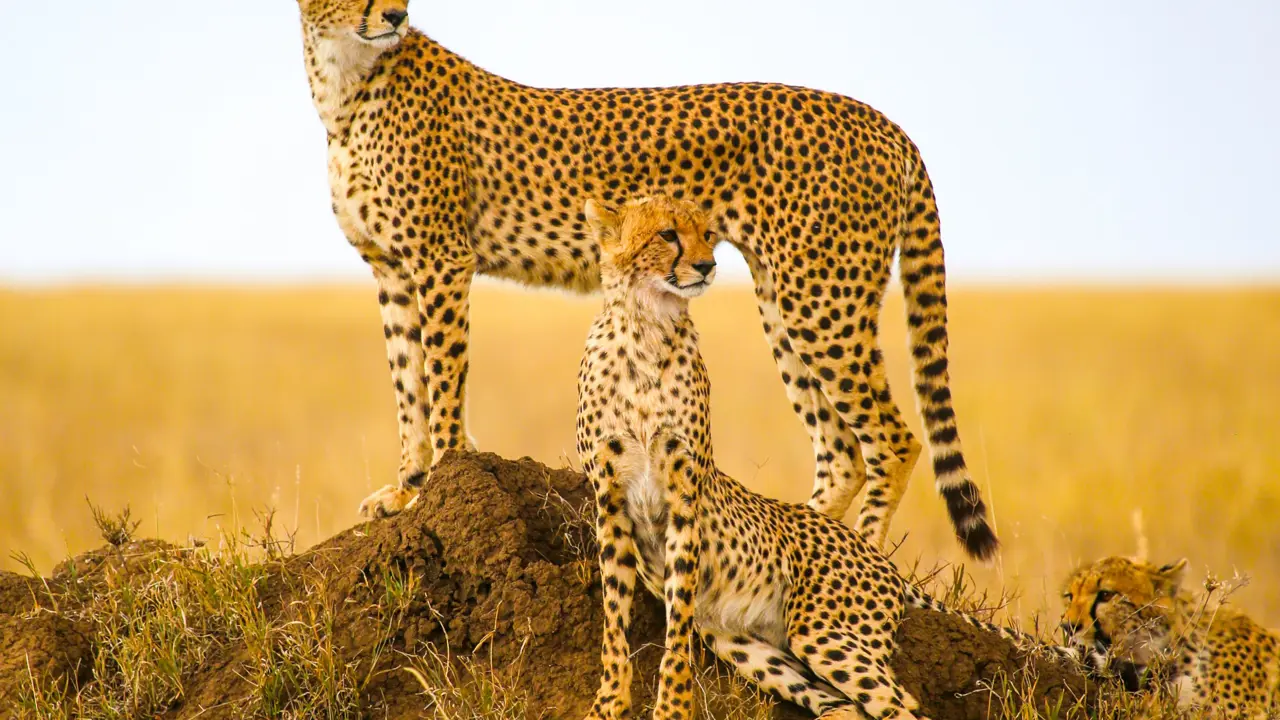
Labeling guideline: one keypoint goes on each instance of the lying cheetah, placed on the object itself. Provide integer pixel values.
(439, 170)
(1147, 630)
(798, 602)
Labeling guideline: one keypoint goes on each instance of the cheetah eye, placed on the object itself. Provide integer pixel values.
(1105, 595)
(1066, 595)
(669, 235)
(710, 237)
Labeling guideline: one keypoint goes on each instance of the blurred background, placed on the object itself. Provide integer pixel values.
(184, 330)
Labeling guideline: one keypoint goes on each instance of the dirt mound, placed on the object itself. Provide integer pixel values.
(37, 644)
(503, 577)
(488, 586)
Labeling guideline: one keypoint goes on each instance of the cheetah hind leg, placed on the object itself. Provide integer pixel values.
(873, 689)
(839, 472)
(884, 497)
(771, 669)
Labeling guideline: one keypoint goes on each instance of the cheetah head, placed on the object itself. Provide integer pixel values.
(377, 23)
(655, 245)
(1123, 612)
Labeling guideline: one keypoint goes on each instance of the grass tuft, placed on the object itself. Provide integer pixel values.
(116, 529)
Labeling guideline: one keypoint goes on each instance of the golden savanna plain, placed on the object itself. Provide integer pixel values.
(1079, 409)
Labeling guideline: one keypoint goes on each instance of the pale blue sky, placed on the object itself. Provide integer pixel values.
(1098, 139)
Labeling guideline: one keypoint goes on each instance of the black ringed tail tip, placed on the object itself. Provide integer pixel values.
(979, 542)
(969, 518)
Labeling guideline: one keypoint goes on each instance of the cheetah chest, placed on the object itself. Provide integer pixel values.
(353, 197)
(648, 513)
(646, 504)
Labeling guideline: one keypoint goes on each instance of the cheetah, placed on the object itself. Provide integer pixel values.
(439, 170)
(795, 600)
(1149, 632)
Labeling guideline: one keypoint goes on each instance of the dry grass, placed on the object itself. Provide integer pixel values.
(158, 613)
(1077, 407)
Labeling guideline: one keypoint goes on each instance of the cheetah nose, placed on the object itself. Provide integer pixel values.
(1069, 629)
(705, 267)
(395, 17)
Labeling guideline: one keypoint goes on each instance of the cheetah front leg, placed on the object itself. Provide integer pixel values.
(607, 468)
(672, 463)
(432, 416)
(402, 328)
(445, 299)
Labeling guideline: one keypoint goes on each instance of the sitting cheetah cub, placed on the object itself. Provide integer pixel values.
(796, 601)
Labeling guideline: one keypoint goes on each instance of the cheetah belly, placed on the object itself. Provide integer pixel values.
(546, 256)
(746, 589)
(739, 593)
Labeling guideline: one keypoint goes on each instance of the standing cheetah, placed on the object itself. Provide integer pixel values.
(439, 170)
(1142, 626)
(795, 600)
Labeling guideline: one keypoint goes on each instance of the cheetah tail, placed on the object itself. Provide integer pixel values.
(920, 262)
(920, 600)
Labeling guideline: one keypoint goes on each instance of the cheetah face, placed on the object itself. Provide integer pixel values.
(377, 23)
(657, 244)
(1122, 610)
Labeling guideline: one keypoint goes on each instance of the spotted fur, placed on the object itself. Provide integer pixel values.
(440, 170)
(1143, 628)
(795, 600)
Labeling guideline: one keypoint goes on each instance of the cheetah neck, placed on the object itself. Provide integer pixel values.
(1188, 625)
(338, 66)
(650, 318)
(643, 304)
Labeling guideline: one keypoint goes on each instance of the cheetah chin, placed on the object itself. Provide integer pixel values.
(692, 290)
(384, 41)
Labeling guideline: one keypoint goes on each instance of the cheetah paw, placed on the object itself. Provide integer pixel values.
(387, 501)
(611, 708)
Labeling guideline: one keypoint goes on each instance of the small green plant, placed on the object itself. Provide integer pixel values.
(116, 529)
(39, 700)
(398, 589)
(29, 565)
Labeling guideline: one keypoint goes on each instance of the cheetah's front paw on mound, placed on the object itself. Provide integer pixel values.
(387, 501)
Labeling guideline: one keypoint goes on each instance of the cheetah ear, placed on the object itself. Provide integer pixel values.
(1169, 577)
(602, 218)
